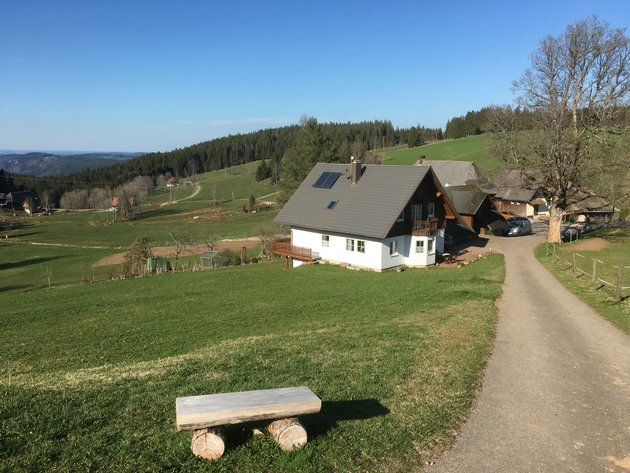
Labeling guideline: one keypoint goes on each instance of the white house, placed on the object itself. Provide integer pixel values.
(367, 216)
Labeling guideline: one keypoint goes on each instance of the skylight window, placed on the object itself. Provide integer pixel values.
(327, 180)
(332, 204)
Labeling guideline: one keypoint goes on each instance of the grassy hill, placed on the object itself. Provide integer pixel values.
(67, 244)
(472, 148)
(89, 373)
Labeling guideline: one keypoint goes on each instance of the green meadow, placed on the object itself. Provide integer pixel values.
(89, 373)
(472, 148)
(90, 367)
(612, 251)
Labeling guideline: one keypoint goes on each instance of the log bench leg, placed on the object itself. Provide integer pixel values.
(208, 443)
(289, 433)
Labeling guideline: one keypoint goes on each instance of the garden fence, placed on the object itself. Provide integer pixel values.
(601, 274)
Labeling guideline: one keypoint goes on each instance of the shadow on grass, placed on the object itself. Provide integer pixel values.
(15, 287)
(334, 411)
(316, 425)
(27, 262)
(21, 235)
(163, 212)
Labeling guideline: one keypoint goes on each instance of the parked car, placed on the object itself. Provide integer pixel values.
(517, 226)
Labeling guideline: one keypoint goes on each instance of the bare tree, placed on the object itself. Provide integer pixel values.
(576, 90)
(211, 241)
(136, 257)
(265, 234)
(215, 194)
(181, 239)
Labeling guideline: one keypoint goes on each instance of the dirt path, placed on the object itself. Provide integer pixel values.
(556, 392)
(190, 250)
(191, 196)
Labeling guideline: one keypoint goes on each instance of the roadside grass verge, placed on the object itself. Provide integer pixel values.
(89, 373)
(615, 252)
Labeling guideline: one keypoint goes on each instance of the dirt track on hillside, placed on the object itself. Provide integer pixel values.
(189, 250)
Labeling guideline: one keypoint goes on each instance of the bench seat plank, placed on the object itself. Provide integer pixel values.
(197, 412)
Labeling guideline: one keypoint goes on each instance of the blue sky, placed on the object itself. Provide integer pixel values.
(156, 75)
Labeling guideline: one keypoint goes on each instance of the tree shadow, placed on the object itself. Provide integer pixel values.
(20, 235)
(162, 212)
(27, 262)
(15, 287)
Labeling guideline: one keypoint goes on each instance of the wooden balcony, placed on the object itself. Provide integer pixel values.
(426, 227)
(296, 252)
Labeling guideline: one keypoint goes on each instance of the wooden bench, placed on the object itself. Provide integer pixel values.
(207, 414)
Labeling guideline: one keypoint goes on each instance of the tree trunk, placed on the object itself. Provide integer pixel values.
(555, 224)
(289, 433)
(208, 443)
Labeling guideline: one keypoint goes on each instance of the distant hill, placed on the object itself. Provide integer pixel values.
(50, 164)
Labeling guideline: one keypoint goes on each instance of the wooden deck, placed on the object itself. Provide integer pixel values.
(296, 252)
(425, 227)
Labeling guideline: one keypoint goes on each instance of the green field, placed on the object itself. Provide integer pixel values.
(89, 373)
(616, 253)
(472, 148)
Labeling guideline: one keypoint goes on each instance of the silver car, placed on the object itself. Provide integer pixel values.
(517, 226)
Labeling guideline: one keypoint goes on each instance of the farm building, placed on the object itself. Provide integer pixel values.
(520, 201)
(368, 216)
(472, 204)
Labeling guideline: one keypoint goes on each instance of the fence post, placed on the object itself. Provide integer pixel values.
(619, 281)
(594, 275)
(574, 263)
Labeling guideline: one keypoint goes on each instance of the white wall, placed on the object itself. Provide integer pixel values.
(425, 258)
(336, 251)
(376, 254)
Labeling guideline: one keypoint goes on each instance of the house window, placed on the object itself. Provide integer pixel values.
(332, 204)
(349, 244)
(325, 240)
(416, 212)
(401, 217)
(361, 246)
(430, 245)
(431, 209)
(392, 248)
(420, 246)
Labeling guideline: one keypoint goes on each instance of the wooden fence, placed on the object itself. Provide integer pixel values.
(601, 274)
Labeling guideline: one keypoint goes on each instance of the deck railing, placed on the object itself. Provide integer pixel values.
(297, 252)
(426, 227)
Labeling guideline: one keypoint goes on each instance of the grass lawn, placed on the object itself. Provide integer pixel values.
(472, 148)
(89, 373)
(616, 252)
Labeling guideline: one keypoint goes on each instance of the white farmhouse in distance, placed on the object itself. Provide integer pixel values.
(367, 216)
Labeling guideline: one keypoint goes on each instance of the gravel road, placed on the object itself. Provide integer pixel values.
(556, 392)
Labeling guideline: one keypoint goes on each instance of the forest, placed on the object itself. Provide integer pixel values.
(269, 145)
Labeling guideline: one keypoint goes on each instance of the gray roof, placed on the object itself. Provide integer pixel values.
(466, 199)
(592, 203)
(515, 194)
(455, 173)
(368, 208)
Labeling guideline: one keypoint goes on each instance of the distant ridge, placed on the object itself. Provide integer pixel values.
(59, 163)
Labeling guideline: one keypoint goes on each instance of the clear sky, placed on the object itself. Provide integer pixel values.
(148, 75)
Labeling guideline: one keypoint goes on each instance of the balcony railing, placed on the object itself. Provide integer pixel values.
(296, 252)
(426, 227)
